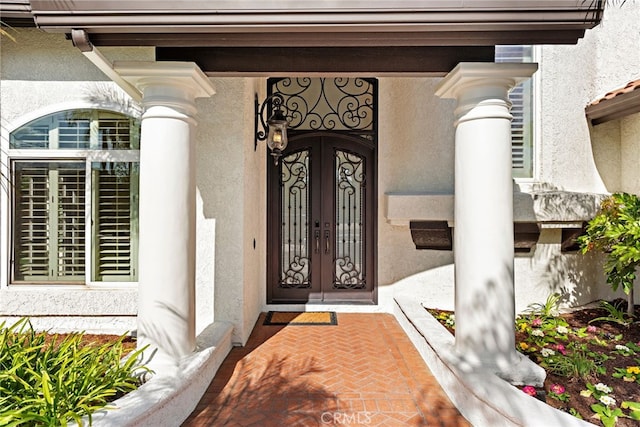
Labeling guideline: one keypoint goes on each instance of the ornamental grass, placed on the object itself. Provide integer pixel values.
(47, 382)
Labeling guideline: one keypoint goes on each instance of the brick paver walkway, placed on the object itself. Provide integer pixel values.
(364, 371)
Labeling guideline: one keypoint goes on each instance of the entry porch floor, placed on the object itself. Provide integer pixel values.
(362, 371)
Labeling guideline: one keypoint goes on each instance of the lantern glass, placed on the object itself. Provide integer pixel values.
(277, 138)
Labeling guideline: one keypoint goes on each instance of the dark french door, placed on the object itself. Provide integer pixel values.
(321, 220)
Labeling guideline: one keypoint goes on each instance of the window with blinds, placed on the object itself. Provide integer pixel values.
(521, 98)
(50, 212)
(115, 222)
(75, 220)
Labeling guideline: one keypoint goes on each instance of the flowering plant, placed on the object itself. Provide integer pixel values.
(530, 390)
(624, 350)
(630, 374)
(546, 352)
(558, 391)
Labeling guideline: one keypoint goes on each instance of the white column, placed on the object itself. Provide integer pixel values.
(166, 307)
(483, 212)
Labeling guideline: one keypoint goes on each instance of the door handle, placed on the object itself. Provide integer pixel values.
(326, 241)
(317, 235)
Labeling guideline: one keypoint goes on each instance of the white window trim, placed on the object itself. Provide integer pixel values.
(8, 155)
(526, 183)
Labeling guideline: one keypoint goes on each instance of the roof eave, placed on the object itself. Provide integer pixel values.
(615, 108)
(560, 21)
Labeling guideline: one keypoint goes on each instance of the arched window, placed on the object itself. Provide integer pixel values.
(74, 198)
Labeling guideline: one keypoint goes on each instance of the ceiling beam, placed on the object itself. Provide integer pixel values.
(371, 61)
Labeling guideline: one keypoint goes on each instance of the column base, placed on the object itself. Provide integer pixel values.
(516, 369)
(159, 362)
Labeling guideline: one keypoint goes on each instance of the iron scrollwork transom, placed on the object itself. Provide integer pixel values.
(338, 104)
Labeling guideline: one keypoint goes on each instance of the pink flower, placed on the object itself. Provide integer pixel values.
(536, 322)
(530, 390)
(557, 388)
(591, 329)
(561, 349)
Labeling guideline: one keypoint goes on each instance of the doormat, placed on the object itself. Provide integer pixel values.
(301, 318)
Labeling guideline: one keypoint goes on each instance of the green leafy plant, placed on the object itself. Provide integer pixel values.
(634, 409)
(614, 314)
(615, 231)
(547, 309)
(575, 413)
(52, 383)
(577, 362)
(608, 416)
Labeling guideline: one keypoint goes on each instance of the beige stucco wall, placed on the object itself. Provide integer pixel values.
(415, 155)
(571, 76)
(630, 153)
(230, 181)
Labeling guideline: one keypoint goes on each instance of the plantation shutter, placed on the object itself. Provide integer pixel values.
(520, 130)
(50, 219)
(115, 202)
(32, 221)
(70, 220)
(521, 110)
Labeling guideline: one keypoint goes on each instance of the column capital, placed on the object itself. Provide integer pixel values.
(482, 88)
(168, 84)
(470, 76)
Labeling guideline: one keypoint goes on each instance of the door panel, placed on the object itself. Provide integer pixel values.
(321, 221)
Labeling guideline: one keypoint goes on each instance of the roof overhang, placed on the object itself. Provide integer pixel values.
(287, 23)
(615, 104)
(257, 37)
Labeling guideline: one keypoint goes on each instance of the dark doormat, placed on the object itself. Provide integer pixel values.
(301, 318)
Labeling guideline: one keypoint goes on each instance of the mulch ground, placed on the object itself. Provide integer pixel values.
(97, 340)
(623, 390)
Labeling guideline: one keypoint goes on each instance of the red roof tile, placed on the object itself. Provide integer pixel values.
(630, 87)
(616, 104)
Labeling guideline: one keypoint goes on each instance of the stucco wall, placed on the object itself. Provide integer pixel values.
(254, 231)
(415, 155)
(630, 153)
(571, 76)
(220, 148)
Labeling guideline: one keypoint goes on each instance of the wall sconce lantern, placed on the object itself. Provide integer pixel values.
(275, 128)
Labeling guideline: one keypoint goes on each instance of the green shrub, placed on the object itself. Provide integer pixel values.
(49, 383)
(615, 231)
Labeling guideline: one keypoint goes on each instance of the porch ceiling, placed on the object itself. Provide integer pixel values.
(264, 28)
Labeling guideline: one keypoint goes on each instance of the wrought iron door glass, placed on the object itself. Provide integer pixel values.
(349, 221)
(294, 229)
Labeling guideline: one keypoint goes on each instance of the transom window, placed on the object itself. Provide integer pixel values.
(74, 198)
